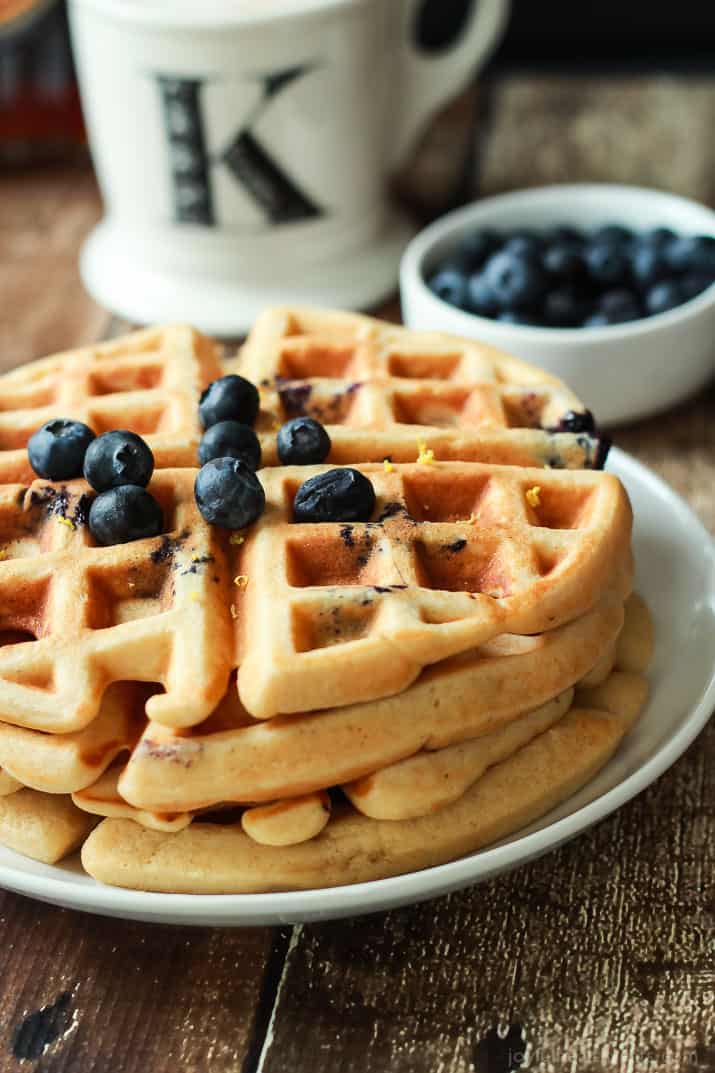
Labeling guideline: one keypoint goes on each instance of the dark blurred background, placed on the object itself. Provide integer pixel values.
(644, 32)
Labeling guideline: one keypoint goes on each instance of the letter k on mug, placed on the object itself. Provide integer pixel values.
(242, 147)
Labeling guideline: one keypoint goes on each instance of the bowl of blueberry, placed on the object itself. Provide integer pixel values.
(609, 287)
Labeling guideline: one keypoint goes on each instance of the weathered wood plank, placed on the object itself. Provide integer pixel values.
(44, 216)
(83, 993)
(595, 958)
(680, 446)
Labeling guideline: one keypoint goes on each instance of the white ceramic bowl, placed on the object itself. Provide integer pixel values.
(621, 372)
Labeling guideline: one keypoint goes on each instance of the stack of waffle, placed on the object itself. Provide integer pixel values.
(303, 705)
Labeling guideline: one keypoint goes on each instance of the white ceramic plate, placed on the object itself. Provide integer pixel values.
(675, 572)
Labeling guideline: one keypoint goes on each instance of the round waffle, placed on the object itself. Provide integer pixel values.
(148, 382)
(456, 554)
(379, 388)
(75, 617)
(331, 615)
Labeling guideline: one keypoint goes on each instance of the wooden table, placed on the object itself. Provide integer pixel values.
(596, 958)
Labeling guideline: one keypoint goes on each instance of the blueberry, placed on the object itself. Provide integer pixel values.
(450, 284)
(604, 446)
(606, 262)
(230, 439)
(599, 319)
(657, 236)
(562, 260)
(564, 307)
(123, 514)
(576, 421)
(515, 281)
(614, 234)
(117, 458)
(230, 398)
(582, 422)
(523, 244)
(695, 283)
(563, 234)
(619, 304)
(515, 316)
(596, 320)
(664, 296)
(649, 264)
(475, 247)
(480, 299)
(56, 451)
(302, 442)
(694, 253)
(340, 495)
(228, 493)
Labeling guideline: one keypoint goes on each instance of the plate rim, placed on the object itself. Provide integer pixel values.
(236, 910)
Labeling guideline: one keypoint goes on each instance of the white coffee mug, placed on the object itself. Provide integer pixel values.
(242, 146)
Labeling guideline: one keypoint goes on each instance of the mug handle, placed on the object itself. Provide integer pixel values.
(428, 79)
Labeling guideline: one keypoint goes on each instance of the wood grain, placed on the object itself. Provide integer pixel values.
(680, 446)
(132, 998)
(44, 216)
(595, 958)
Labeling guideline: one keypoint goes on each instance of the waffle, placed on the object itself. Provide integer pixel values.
(346, 699)
(8, 784)
(279, 823)
(208, 858)
(420, 784)
(77, 763)
(148, 382)
(288, 822)
(378, 389)
(232, 757)
(63, 763)
(74, 617)
(437, 767)
(331, 615)
(102, 798)
(45, 827)
(512, 772)
(429, 781)
(334, 614)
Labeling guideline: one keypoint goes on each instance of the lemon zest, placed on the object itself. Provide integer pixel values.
(426, 454)
(388, 466)
(241, 580)
(68, 522)
(194, 596)
(533, 496)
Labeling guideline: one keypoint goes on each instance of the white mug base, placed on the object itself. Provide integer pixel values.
(228, 306)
